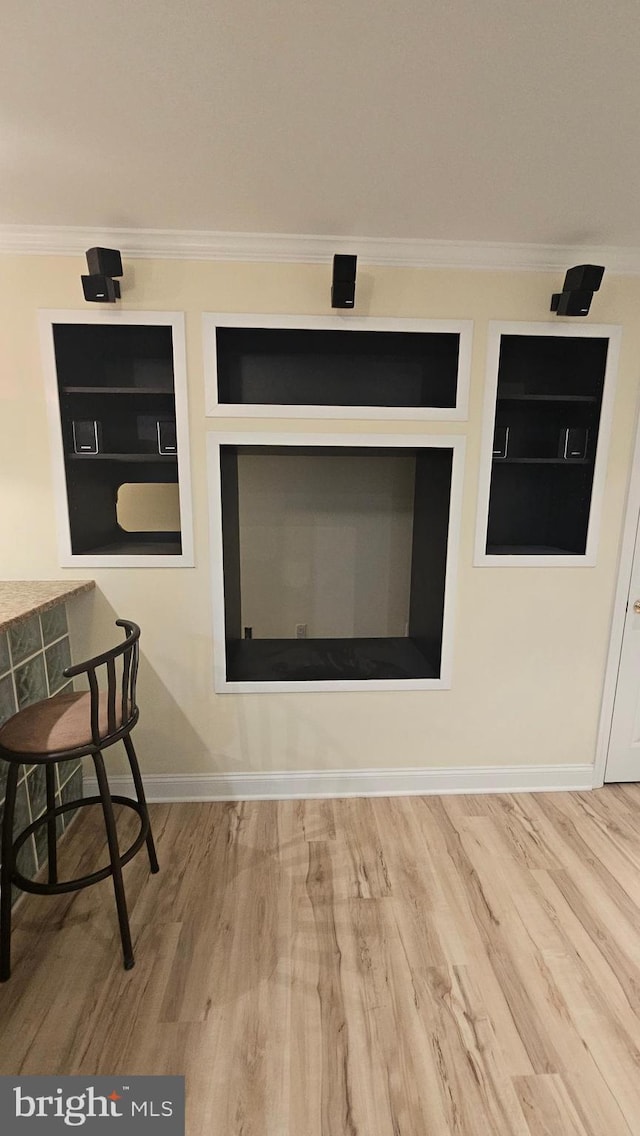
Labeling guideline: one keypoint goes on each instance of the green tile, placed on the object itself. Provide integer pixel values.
(73, 787)
(26, 862)
(42, 843)
(7, 698)
(58, 657)
(66, 769)
(26, 859)
(25, 639)
(54, 623)
(36, 782)
(40, 837)
(31, 682)
(5, 662)
(72, 791)
(21, 814)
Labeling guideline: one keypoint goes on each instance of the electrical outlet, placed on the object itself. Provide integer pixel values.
(301, 631)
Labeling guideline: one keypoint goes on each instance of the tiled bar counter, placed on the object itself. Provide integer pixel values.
(34, 651)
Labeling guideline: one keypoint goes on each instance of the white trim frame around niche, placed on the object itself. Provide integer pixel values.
(268, 439)
(211, 321)
(47, 319)
(496, 329)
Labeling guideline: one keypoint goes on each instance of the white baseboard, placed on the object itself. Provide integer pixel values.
(355, 783)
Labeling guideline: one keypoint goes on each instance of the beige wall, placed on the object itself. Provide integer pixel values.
(148, 507)
(530, 643)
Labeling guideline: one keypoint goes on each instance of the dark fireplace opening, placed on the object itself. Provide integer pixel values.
(334, 561)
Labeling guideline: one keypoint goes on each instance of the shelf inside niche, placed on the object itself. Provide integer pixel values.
(124, 457)
(528, 550)
(505, 397)
(116, 390)
(137, 548)
(542, 461)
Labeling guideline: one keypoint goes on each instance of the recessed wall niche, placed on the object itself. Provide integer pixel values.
(336, 367)
(120, 443)
(549, 402)
(333, 560)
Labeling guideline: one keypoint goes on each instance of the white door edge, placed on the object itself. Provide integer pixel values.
(618, 615)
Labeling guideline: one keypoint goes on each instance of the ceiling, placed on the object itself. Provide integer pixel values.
(462, 120)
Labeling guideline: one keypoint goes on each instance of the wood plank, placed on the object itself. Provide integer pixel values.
(386, 967)
(549, 1109)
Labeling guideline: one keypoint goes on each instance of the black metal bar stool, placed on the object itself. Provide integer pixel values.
(68, 726)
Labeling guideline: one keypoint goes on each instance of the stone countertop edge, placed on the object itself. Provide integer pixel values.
(20, 599)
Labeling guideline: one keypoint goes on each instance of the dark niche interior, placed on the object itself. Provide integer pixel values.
(334, 561)
(117, 410)
(547, 420)
(318, 367)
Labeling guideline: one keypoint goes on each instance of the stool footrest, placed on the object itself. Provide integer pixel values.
(80, 881)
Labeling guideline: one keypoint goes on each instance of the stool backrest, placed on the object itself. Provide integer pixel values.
(118, 695)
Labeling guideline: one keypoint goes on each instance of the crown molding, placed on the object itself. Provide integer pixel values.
(287, 248)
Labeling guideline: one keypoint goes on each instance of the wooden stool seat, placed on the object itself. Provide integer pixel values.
(67, 726)
(54, 725)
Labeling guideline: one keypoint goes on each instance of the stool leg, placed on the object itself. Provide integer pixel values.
(142, 800)
(6, 873)
(114, 854)
(52, 846)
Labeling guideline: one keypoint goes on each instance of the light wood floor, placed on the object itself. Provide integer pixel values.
(388, 967)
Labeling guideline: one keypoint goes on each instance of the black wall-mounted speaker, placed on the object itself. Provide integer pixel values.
(583, 277)
(573, 443)
(343, 283)
(580, 283)
(100, 289)
(86, 436)
(572, 303)
(167, 441)
(500, 441)
(104, 262)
